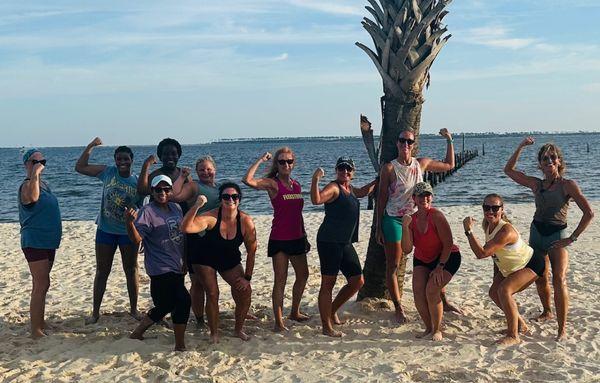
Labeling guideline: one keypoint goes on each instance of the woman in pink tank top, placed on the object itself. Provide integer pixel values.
(287, 242)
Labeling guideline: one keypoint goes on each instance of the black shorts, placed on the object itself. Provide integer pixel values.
(298, 246)
(169, 295)
(452, 265)
(537, 263)
(336, 257)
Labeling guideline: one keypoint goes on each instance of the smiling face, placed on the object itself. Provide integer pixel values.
(550, 162)
(169, 157)
(285, 163)
(206, 172)
(162, 192)
(344, 173)
(123, 162)
(404, 144)
(230, 198)
(423, 201)
(493, 208)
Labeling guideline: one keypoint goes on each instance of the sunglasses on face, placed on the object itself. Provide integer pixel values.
(165, 190)
(550, 158)
(283, 162)
(493, 208)
(43, 162)
(406, 141)
(230, 197)
(344, 168)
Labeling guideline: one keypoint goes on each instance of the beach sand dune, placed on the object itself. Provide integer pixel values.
(373, 348)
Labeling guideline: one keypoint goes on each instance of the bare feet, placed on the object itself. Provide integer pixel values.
(92, 319)
(214, 338)
(335, 319)
(332, 333)
(180, 348)
(449, 307)
(544, 316)
(400, 317)
(280, 327)
(508, 341)
(37, 334)
(136, 335)
(562, 335)
(299, 317)
(423, 334)
(242, 335)
(200, 323)
(437, 336)
(251, 316)
(136, 315)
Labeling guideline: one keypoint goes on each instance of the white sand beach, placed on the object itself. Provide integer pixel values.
(373, 349)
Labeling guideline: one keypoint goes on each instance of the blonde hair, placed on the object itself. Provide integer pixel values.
(207, 158)
(551, 147)
(503, 216)
(273, 170)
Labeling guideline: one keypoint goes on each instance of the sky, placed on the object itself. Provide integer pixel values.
(134, 72)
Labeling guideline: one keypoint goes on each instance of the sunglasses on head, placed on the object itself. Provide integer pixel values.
(493, 208)
(230, 197)
(43, 162)
(407, 141)
(283, 162)
(551, 157)
(347, 168)
(166, 189)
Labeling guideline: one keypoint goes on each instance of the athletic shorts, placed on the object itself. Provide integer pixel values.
(114, 240)
(537, 264)
(452, 265)
(33, 255)
(541, 243)
(336, 257)
(298, 246)
(391, 228)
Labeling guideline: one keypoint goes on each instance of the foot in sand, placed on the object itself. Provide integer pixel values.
(136, 335)
(449, 307)
(332, 333)
(508, 340)
(251, 316)
(437, 336)
(299, 317)
(335, 319)
(423, 334)
(200, 323)
(92, 319)
(38, 334)
(544, 316)
(242, 335)
(280, 327)
(136, 315)
(214, 338)
(180, 348)
(562, 335)
(400, 317)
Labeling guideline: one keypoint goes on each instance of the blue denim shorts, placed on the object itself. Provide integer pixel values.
(541, 243)
(112, 239)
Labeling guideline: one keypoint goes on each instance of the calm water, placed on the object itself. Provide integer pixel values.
(79, 195)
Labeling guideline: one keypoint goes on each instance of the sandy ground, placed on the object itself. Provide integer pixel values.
(373, 348)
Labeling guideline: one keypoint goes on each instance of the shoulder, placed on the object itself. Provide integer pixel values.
(437, 214)
(569, 184)
(246, 218)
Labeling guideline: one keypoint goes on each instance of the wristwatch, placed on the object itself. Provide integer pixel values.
(573, 238)
(468, 233)
(248, 277)
(441, 264)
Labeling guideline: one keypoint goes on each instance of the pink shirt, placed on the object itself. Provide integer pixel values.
(287, 212)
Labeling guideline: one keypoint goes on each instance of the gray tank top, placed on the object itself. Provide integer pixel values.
(551, 206)
(341, 219)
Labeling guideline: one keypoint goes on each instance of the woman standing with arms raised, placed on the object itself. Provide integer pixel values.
(41, 231)
(335, 237)
(118, 193)
(548, 235)
(394, 201)
(287, 241)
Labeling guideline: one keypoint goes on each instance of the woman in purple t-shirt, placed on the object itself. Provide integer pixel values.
(287, 242)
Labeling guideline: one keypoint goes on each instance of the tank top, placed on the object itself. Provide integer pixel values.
(428, 245)
(217, 246)
(41, 225)
(340, 224)
(287, 212)
(400, 200)
(510, 258)
(551, 206)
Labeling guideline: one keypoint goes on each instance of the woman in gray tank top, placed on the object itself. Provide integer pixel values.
(335, 237)
(548, 230)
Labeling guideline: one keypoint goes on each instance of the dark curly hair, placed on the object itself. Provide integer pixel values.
(123, 149)
(167, 142)
(230, 184)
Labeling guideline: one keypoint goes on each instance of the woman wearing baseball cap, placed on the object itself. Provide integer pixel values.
(335, 237)
(436, 259)
(41, 231)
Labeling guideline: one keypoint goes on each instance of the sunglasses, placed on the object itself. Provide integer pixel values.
(493, 208)
(550, 158)
(407, 141)
(347, 168)
(43, 162)
(230, 197)
(165, 190)
(283, 162)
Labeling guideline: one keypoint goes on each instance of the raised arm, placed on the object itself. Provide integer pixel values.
(329, 193)
(518, 176)
(30, 191)
(249, 232)
(192, 223)
(440, 166)
(184, 191)
(260, 183)
(83, 167)
(132, 233)
(445, 235)
(366, 189)
(382, 197)
(143, 185)
(505, 236)
(573, 190)
(407, 236)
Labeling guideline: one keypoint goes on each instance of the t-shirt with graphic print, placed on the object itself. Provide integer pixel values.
(117, 194)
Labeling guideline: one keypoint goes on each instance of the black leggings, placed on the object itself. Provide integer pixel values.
(169, 295)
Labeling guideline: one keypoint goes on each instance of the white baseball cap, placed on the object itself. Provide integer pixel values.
(161, 178)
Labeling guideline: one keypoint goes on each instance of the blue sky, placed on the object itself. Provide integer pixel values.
(137, 71)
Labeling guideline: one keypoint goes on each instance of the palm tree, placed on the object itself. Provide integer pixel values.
(408, 35)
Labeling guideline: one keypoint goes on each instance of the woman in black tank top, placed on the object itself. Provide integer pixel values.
(335, 237)
(548, 230)
(226, 229)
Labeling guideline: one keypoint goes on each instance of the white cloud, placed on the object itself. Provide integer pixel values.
(281, 57)
(493, 36)
(330, 6)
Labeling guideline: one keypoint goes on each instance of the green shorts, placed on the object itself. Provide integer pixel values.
(391, 228)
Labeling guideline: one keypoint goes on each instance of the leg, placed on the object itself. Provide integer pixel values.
(104, 259)
(393, 257)
(435, 306)
(208, 276)
(138, 332)
(129, 258)
(449, 307)
(419, 285)
(543, 289)
(559, 260)
(280, 270)
(198, 301)
(181, 311)
(40, 272)
(161, 290)
(325, 305)
(353, 284)
(242, 299)
(512, 284)
(300, 266)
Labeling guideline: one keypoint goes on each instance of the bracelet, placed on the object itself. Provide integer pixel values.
(573, 238)
(449, 140)
(468, 233)
(248, 277)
